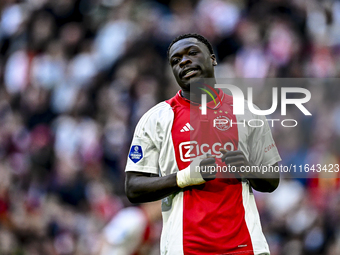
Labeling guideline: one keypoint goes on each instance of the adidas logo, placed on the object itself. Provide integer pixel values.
(187, 127)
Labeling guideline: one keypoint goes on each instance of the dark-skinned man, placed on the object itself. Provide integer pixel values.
(204, 212)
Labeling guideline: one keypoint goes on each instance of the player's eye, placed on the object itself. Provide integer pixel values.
(193, 52)
(174, 61)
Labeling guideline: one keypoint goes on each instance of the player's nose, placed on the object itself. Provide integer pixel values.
(185, 60)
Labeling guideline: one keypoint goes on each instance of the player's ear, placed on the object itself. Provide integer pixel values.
(213, 58)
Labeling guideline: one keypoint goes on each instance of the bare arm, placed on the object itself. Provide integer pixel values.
(145, 187)
(265, 183)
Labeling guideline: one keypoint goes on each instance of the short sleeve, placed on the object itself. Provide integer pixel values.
(262, 147)
(148, 140)
(143, 155)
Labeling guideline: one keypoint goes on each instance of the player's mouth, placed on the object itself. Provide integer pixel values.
(190, 72)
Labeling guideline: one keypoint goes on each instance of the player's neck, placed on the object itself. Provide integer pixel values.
(191, 96)
(196, 96)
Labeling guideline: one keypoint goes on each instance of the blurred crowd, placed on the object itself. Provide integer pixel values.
(76, 76)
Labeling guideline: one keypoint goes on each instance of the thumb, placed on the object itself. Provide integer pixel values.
(210, 156)
(224, 152)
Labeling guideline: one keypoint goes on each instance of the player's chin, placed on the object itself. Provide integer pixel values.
(196, 79)
(184, 85)
(195, 84)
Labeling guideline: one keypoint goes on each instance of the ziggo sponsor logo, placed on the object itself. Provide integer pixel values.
(191, 149)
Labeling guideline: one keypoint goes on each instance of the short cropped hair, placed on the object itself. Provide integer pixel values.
(197, 36)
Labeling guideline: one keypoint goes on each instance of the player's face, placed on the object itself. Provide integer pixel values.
(190, 59)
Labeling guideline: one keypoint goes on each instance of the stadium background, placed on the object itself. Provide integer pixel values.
(76, 76)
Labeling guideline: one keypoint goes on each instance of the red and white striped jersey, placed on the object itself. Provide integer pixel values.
(219, 216)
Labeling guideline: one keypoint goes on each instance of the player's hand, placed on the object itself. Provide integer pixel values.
(208, 167)
(235, 159)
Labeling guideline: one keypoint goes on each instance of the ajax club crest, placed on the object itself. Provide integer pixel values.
(222, 123)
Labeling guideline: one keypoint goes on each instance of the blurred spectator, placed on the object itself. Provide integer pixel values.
(131, 232)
